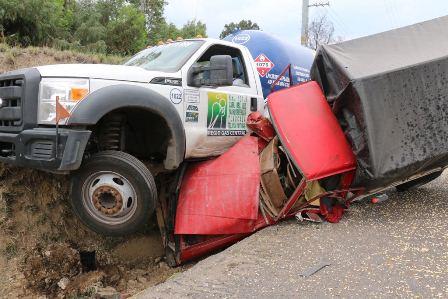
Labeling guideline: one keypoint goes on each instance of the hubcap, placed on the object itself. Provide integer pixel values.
(109, 197)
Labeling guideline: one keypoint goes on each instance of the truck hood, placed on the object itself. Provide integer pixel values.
(99, 71)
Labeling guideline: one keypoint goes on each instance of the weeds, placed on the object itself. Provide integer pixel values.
(4, 48)
(10, 250)
(10, 57)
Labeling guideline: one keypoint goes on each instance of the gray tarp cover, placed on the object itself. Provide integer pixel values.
(390, 94)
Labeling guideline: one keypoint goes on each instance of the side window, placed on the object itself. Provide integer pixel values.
(239, 70)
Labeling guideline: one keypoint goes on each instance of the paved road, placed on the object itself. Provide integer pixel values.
(398, 248)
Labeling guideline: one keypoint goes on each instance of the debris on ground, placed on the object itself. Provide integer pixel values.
(314, 269)
(379, 198)
(50, 269)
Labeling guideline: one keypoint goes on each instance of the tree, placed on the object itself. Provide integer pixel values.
(167, 31)
(321, 32)
(105, 26)
(164, 32)
(242, 25)
(155, 21)
(193, 28)
(90, 30)
(126, 34)
(32, 22)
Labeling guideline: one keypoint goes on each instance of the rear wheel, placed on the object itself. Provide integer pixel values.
(113, 193)
(418, 182)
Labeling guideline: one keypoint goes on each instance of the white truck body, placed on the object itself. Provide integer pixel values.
(207, 133)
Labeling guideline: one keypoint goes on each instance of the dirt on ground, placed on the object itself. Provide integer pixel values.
(44, 250)
(42, 245)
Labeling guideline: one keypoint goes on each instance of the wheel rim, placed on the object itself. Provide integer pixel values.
(109, 197)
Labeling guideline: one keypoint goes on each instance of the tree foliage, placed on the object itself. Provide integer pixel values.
(242, 25)
(167, 31)
(105, 26)
(153, 10)
(126, 33)
(194, 28)
(32, 22)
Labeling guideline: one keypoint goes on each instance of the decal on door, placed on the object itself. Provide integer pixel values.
(191, 96)
(226, 114)
(192, 113)
(176, 96)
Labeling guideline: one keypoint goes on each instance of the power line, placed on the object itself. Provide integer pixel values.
(389, 14)
(305, 17)
(322, 4)
(395, 10)
(335, 21)
(347, 29)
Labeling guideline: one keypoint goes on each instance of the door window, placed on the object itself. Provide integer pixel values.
(240, 78)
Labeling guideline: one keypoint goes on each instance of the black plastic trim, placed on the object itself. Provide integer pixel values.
(29, 80)
(167, 81)
(72, 144)
(99, 103)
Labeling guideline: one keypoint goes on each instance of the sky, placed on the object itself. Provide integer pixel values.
(351, 18)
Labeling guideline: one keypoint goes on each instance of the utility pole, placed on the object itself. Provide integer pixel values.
(305, 18)
(304, 36)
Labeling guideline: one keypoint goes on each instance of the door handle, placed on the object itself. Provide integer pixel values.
(253, 104)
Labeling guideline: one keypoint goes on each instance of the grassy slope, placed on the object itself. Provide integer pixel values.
(12, 58)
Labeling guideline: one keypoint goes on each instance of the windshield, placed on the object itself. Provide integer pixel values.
(166, 58)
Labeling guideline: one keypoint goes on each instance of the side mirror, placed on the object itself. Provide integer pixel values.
(219, 73)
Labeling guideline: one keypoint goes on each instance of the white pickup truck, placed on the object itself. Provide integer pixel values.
(182, 100)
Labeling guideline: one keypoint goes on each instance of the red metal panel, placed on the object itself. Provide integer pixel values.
(221, 196)
(310, 132)
(192, 252)
(189, 252)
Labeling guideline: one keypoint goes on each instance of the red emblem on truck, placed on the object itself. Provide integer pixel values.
(264, 65)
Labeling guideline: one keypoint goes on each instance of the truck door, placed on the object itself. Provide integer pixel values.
(215, 117)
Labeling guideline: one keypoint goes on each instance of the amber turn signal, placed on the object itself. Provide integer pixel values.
(78, 94)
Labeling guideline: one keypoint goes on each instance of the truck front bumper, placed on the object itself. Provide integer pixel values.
(36, 148)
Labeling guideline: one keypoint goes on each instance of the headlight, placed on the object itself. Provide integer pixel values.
(69, 91)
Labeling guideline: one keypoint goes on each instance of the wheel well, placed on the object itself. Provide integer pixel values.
(141, 133)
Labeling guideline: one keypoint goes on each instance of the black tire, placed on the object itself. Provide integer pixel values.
(113, 193)
(418, 182)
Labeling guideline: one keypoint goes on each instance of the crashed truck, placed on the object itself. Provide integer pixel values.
(372, 116)
(115, 128)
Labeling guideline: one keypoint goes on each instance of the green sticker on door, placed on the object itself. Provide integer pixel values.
(226, 115)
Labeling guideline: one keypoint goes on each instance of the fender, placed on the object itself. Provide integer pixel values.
(102, 101)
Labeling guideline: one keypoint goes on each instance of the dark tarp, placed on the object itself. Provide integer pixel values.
(390, 94)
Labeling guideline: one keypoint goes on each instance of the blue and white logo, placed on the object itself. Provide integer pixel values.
(176, 96)
(241, 38)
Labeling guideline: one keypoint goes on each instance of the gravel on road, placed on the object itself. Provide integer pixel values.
(398, 248)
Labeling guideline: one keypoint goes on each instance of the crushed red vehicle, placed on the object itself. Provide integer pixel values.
(220, 201)
(366, 122)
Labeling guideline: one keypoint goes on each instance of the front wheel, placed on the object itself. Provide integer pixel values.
(113, 193)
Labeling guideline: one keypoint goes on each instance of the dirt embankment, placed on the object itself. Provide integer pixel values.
(12, 58)
(44, 249)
